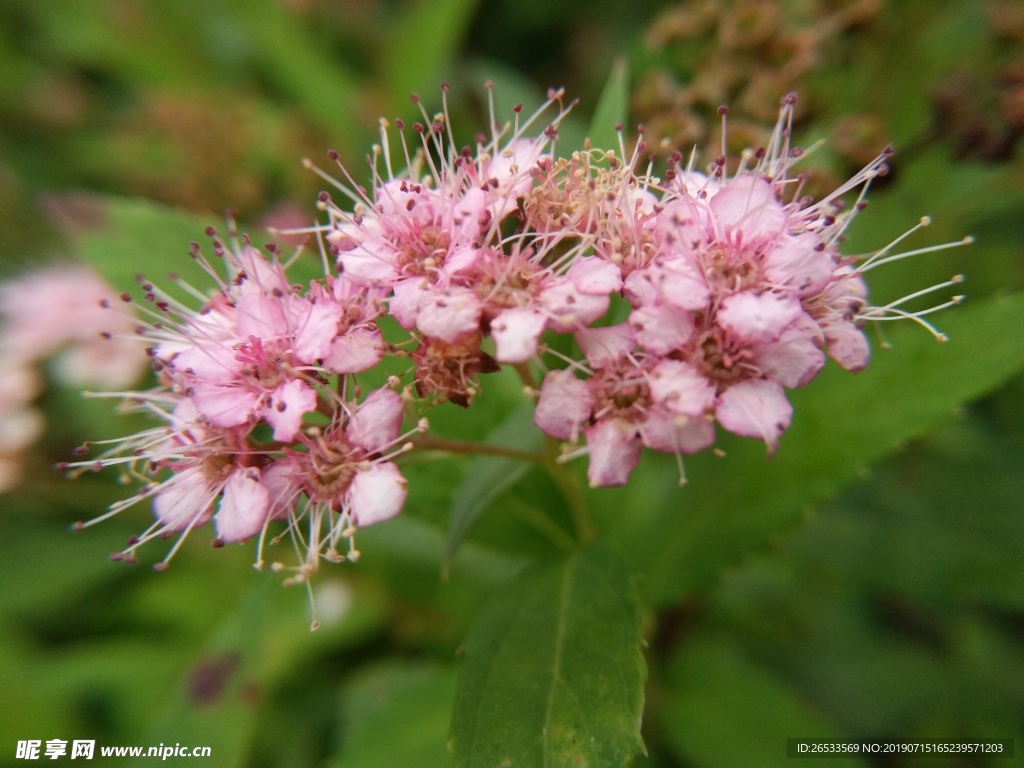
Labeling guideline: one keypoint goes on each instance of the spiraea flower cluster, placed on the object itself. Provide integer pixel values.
(695, 298)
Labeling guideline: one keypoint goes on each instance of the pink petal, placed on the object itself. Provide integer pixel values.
(569, 308)
(368, 261)
(356, 351)
(377, 422)
(516, 333)
(755, 408)
(224, 406)
(847, 345)
(262, 316)
(243, 509)
(316, 329)
(564, 406)
(469, 211)
(661, 328)
(614, 449)
(280, 481)
(680, 388)
(758, 317)
(605, 345)
(404, 305)
(681, 227)
(210, 363)
(800, 264)
(680, 283)
(595, 276)
(795, 357)
(668, 432)
(286, 407)
(376, 494)
(262, 276)
(639, 288)
(747, 206)
(186, 500)
(451, 315)
(461, 259)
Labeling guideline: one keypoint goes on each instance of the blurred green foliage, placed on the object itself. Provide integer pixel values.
(866, 583)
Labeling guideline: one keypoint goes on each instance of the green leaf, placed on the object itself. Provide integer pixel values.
(423, 43)
(257, 644)
(733, 505)
(553, 674)
(488, 477)
(721, 709)
(122, 237)
(612, 108)
(397, 714)
(303, 67)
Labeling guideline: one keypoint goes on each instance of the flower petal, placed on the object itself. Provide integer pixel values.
(615, 449)
(376, 494)
(286, 407)
(755, 408)
(244, 507)
(758, 318)
(564, 406)
(516, 333)
(377, 422)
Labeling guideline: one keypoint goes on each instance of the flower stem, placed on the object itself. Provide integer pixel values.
(430, 443)
(569, 485)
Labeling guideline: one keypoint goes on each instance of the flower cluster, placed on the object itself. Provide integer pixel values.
(55, 312)
(695, 299)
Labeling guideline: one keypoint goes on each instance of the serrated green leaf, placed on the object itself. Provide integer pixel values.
(397, 714)
(612, 108)
(487, 477)
(552, 672)
(733, 505)
(721, 709)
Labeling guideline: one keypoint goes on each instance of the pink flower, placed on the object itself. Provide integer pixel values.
(67, 309)
(628, 400)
